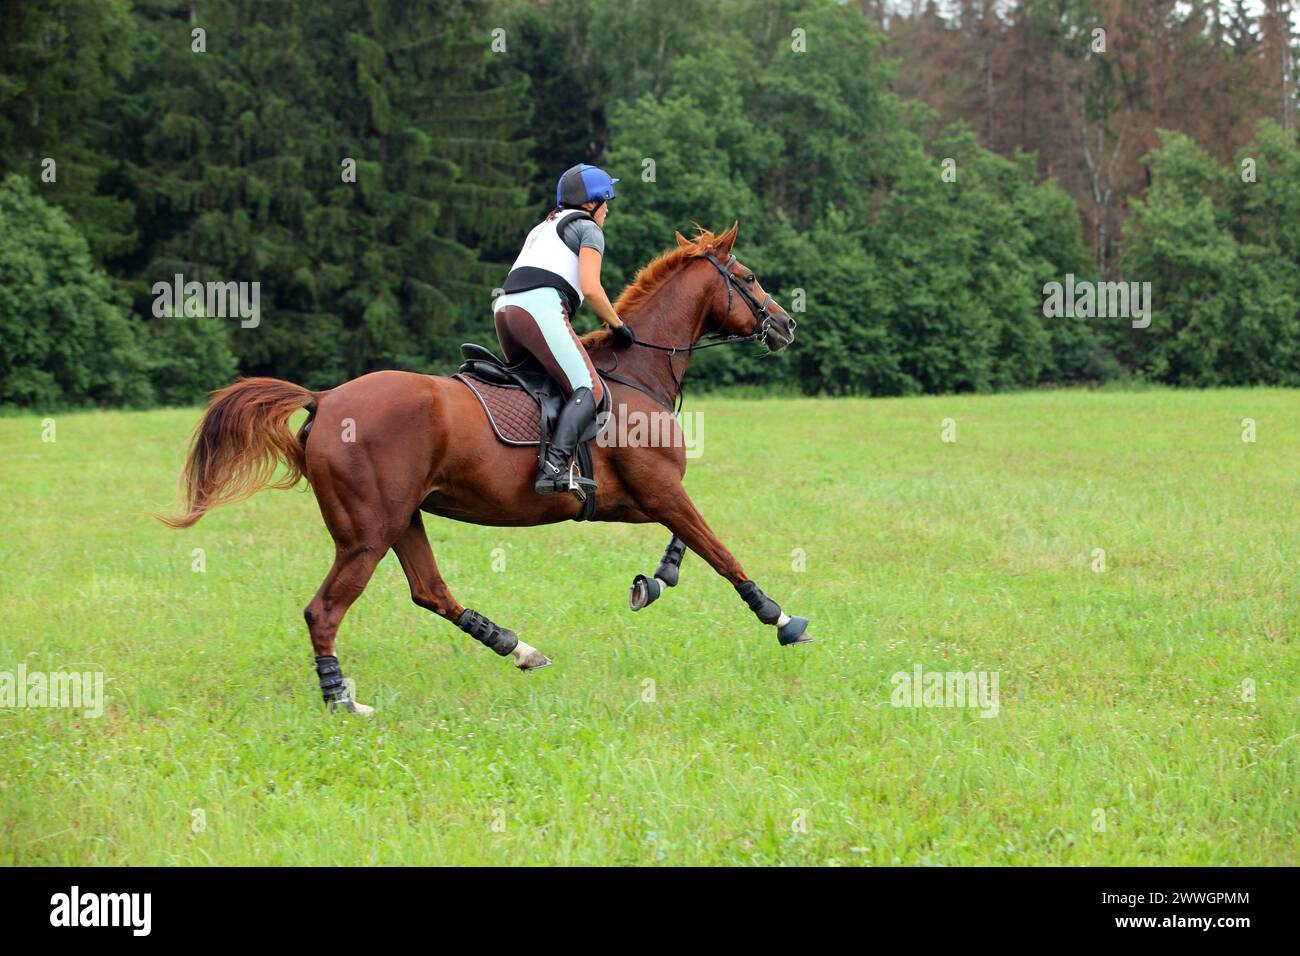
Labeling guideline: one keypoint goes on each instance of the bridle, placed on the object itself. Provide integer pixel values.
(760, 311)
(762, 325)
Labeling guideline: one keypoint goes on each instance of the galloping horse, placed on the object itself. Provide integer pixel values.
(423, 443)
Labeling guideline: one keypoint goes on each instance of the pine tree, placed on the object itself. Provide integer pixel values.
(354, 173)
(60, 62)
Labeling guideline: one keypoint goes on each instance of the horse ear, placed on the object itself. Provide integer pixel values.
(682, 241)
(727, 239)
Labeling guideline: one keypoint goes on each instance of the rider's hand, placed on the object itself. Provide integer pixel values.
(624, 337)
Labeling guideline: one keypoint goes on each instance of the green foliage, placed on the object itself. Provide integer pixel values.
(1055, 249)
(61, 62)
(230, 164)
(911, 281)
(1221, 255)
(63, 338)
(187, 356)
(244, 175)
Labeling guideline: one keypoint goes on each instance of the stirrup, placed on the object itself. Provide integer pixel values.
(574, 483)
(578, 485)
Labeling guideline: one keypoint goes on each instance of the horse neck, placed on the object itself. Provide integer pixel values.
(673, 316)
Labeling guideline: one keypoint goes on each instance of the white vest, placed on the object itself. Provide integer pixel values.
(544, 249)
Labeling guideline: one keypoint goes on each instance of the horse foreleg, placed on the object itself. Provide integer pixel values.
(678, 513)
(430, 591)
(646, 590)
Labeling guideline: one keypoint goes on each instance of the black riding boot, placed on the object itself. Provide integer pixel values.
(552, 471)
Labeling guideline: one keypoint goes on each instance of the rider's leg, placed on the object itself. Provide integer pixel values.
(535, 321)
(509, 326)
(553, 467)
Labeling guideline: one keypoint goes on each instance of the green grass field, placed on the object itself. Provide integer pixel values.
(1148, 712)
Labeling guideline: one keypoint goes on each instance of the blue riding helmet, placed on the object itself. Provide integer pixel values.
(583, 183)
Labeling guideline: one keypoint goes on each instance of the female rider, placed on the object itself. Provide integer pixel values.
(557, 269)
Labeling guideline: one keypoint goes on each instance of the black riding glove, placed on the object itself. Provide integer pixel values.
(624, 337)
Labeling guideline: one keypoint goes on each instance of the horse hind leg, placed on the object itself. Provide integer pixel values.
(430, 592)
(645, 591)
(362, 534)
(353, 566)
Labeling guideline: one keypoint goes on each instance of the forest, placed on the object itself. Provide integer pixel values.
(911, 178)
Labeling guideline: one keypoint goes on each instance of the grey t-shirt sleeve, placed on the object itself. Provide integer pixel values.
(584, 234)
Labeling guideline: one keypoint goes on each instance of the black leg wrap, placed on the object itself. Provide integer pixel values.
(672, 562)
(481, 629)
(767, 610)
(331, 680)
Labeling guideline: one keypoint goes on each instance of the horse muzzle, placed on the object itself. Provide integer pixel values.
(778, 332)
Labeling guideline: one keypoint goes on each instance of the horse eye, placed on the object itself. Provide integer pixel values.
(749, 278)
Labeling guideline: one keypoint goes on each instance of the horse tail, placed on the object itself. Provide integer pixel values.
(241, 439)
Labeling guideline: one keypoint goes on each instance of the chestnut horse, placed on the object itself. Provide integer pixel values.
(382, 448)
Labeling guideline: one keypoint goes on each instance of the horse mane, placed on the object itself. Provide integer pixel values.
(652, 276)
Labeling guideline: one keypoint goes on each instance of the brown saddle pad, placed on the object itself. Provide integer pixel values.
(511, 410)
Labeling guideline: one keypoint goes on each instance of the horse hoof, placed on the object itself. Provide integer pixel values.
(533, 661)
(352, 707)
(794, 631)
(529, 658)
(645, 591)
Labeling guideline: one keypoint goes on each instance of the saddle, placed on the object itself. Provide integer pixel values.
(522, 403)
